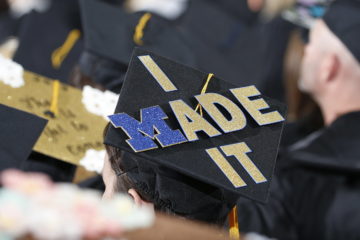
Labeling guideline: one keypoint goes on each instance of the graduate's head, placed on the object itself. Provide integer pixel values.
(331, 64)
(163, 188)
(116, 179)
(187, 158)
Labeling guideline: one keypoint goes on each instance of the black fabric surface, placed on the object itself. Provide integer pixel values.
(316, 195)
(19, 132)
(93, 183)
(109, 32)
(57, 170)
(239, 53)
(8, 26)
(189, 158)
(105, 71)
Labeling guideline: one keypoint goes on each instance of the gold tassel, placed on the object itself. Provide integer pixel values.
(53, 112)
(203, 90)
(139, 29)
(58, 56)
(234, 225)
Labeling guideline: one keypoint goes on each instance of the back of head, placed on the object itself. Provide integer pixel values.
(343, 19)
(173, 192)
(331, 64)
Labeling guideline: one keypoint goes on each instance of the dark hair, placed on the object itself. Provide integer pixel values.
(123, 182)
(158, 184)
(4, 6)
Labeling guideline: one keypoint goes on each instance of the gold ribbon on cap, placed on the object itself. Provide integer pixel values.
(139, 29)
(54, 110)
(234, 225)
(203, 90)
(58, 56)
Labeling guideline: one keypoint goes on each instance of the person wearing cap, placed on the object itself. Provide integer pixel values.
(186, 175)
(104, 61)
(316, 195)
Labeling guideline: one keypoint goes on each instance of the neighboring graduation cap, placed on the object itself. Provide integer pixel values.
(210, 22)
(75, 120)
(184, 174)
(8, 26)
(50, 42)
(111, 34)
(19, 132)
(207, 22)
(238, 9)
(343, 19)
(234, 48)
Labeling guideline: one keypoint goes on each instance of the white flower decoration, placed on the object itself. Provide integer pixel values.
(93, 160)
(64, 211)
(22, 7)
(256, 236)
(98, 102)
(170, 9)
(11, 73)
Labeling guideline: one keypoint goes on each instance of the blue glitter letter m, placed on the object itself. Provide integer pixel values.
(151, 126)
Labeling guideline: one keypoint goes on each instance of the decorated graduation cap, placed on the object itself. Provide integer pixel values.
(74, 133)
(343, 19)
(111, 33)
(72, 113)
(19, 132)
(194, 129)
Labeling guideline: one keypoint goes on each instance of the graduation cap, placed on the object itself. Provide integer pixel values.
(53, 49)
(208, 22)
(343, 19)
(19, 132)
(111, 34)
(239, 9)
(75, 117)
(159, 94)
(231, 46)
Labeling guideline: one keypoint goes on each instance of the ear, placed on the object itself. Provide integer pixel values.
(135, 196)
(137, 199)
(329, 68)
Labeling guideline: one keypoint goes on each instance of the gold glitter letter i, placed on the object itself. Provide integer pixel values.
(157, 73)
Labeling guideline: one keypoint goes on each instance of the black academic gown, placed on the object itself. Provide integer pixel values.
(316, 194)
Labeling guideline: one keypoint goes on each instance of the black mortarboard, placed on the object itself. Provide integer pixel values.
(244, 56)
(8, 26)
(50, 42)
(19, 132)
(109, 35)
(234, 47)
(209, 22)
(343, 19)
(189, 161)
(239, 9)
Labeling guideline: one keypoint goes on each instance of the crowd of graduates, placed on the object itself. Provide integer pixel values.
(302, 56)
